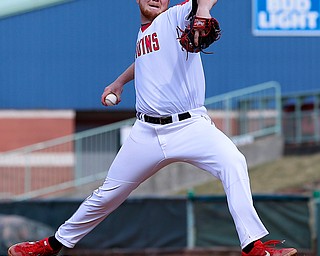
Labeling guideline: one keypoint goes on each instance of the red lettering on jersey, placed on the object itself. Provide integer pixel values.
(143, 46)
(147, 44)
(138, 50)
(155, 41)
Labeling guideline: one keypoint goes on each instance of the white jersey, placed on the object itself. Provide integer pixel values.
(166, 81)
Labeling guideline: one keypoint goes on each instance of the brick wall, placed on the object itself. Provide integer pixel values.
(22, 128)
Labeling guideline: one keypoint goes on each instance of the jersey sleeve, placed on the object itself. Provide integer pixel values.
(179, 13)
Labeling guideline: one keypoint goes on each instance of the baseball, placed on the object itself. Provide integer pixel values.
(111, 99)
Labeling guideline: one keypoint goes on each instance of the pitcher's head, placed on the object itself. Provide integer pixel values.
(150, 9)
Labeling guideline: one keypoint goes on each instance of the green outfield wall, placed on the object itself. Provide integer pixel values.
(194, 222)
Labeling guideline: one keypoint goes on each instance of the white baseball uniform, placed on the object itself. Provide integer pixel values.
(168, 84)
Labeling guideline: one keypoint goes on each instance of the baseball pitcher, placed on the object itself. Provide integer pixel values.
(172, 125)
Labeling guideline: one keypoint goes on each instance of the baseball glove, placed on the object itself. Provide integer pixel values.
(209, 32)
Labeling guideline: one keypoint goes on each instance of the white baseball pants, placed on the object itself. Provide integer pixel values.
(149, 148)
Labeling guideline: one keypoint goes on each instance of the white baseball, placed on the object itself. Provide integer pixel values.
(111, 99)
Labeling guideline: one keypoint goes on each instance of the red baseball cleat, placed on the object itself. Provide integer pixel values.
(38, 248)
(267, 249)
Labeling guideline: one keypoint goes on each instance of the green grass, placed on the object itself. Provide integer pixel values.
(288, 175)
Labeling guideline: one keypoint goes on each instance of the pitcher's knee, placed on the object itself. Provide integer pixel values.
(242, 160)
(110, 193)
(234, 168)
(241, 164)
(236, 160)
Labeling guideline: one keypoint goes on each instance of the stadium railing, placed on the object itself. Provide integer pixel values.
(249, 113)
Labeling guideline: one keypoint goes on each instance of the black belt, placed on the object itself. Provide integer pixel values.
(163, 120)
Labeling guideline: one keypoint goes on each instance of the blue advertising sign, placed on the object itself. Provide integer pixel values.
(286, 17)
